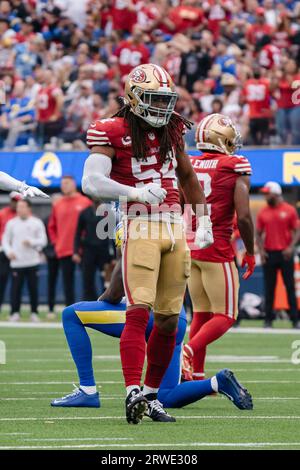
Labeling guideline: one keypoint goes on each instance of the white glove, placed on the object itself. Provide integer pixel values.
(31, 191)
(204, 235)
(151, 193)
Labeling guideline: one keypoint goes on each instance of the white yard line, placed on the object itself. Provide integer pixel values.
(117, 382)
(242, 330)
(164, 445)
(203, 417)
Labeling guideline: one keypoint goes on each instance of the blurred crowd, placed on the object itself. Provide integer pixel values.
(63, 64)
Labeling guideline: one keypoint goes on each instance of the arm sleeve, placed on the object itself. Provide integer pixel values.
(8, 183)
(97, 184)
(52, 228)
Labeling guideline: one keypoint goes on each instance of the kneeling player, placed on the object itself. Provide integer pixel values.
(109, 318)
(214, 282)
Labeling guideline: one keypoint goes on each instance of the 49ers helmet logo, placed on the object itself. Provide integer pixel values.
(138, 75)
(224, 122)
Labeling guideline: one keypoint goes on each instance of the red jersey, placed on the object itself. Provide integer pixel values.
(63, 223)
(130, 55)
(277, 223)
(255, 32)
(46, 102)
(258, 96)
(126, 169)
(6, 214)
(270, 56)
(123, 18)
(185, 17)
(218, 173)
(286, 89)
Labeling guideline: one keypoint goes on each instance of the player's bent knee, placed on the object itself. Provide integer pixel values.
(68, 315)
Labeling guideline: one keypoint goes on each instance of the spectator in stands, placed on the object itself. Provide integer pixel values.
(195, 64)
(79, 114)
(6, 214)
(91, 250)
(23, 240)
(18, 116)
(101, 83)
(187, 16)
(27, 56)
(132, 52)
(62, 227)
(256, 94)
(49, 104)
(286, 86)
(278, 232)
(52, 265)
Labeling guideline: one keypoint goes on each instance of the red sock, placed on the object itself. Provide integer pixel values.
(133, 345)
(199, 319)
(160, 350)
(210, 331)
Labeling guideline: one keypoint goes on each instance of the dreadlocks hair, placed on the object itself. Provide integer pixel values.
(169, 136)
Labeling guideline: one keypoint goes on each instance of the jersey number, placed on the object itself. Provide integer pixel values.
(167, 171)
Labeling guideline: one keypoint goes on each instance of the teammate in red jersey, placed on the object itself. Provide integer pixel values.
(214, 282)
(138, 155)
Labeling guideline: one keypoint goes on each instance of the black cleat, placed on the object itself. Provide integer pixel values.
(229, 386)
(136, 405)
(157, 413)
(268, 324)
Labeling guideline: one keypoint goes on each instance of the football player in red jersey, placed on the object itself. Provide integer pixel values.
(138, 155)
(214, 282)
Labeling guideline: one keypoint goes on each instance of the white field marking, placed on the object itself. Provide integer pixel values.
(67, 439)
(276, 398)
(272, 381)
(121, 396)
(264, 331)
(295, 369)
(55, 371)
(110, 382)
(42, 325)
(46, 398)
(81, 418)
(116, 382)
(15, 433)
(239, 330)
(155, 445)
(211, 359)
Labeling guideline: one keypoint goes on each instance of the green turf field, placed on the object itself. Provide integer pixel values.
(39, 368)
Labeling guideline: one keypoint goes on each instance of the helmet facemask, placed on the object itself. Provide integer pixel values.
(147, 108)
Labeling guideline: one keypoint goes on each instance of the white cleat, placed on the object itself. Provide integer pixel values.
(35, 318)
(51, 316)
(14, 317)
